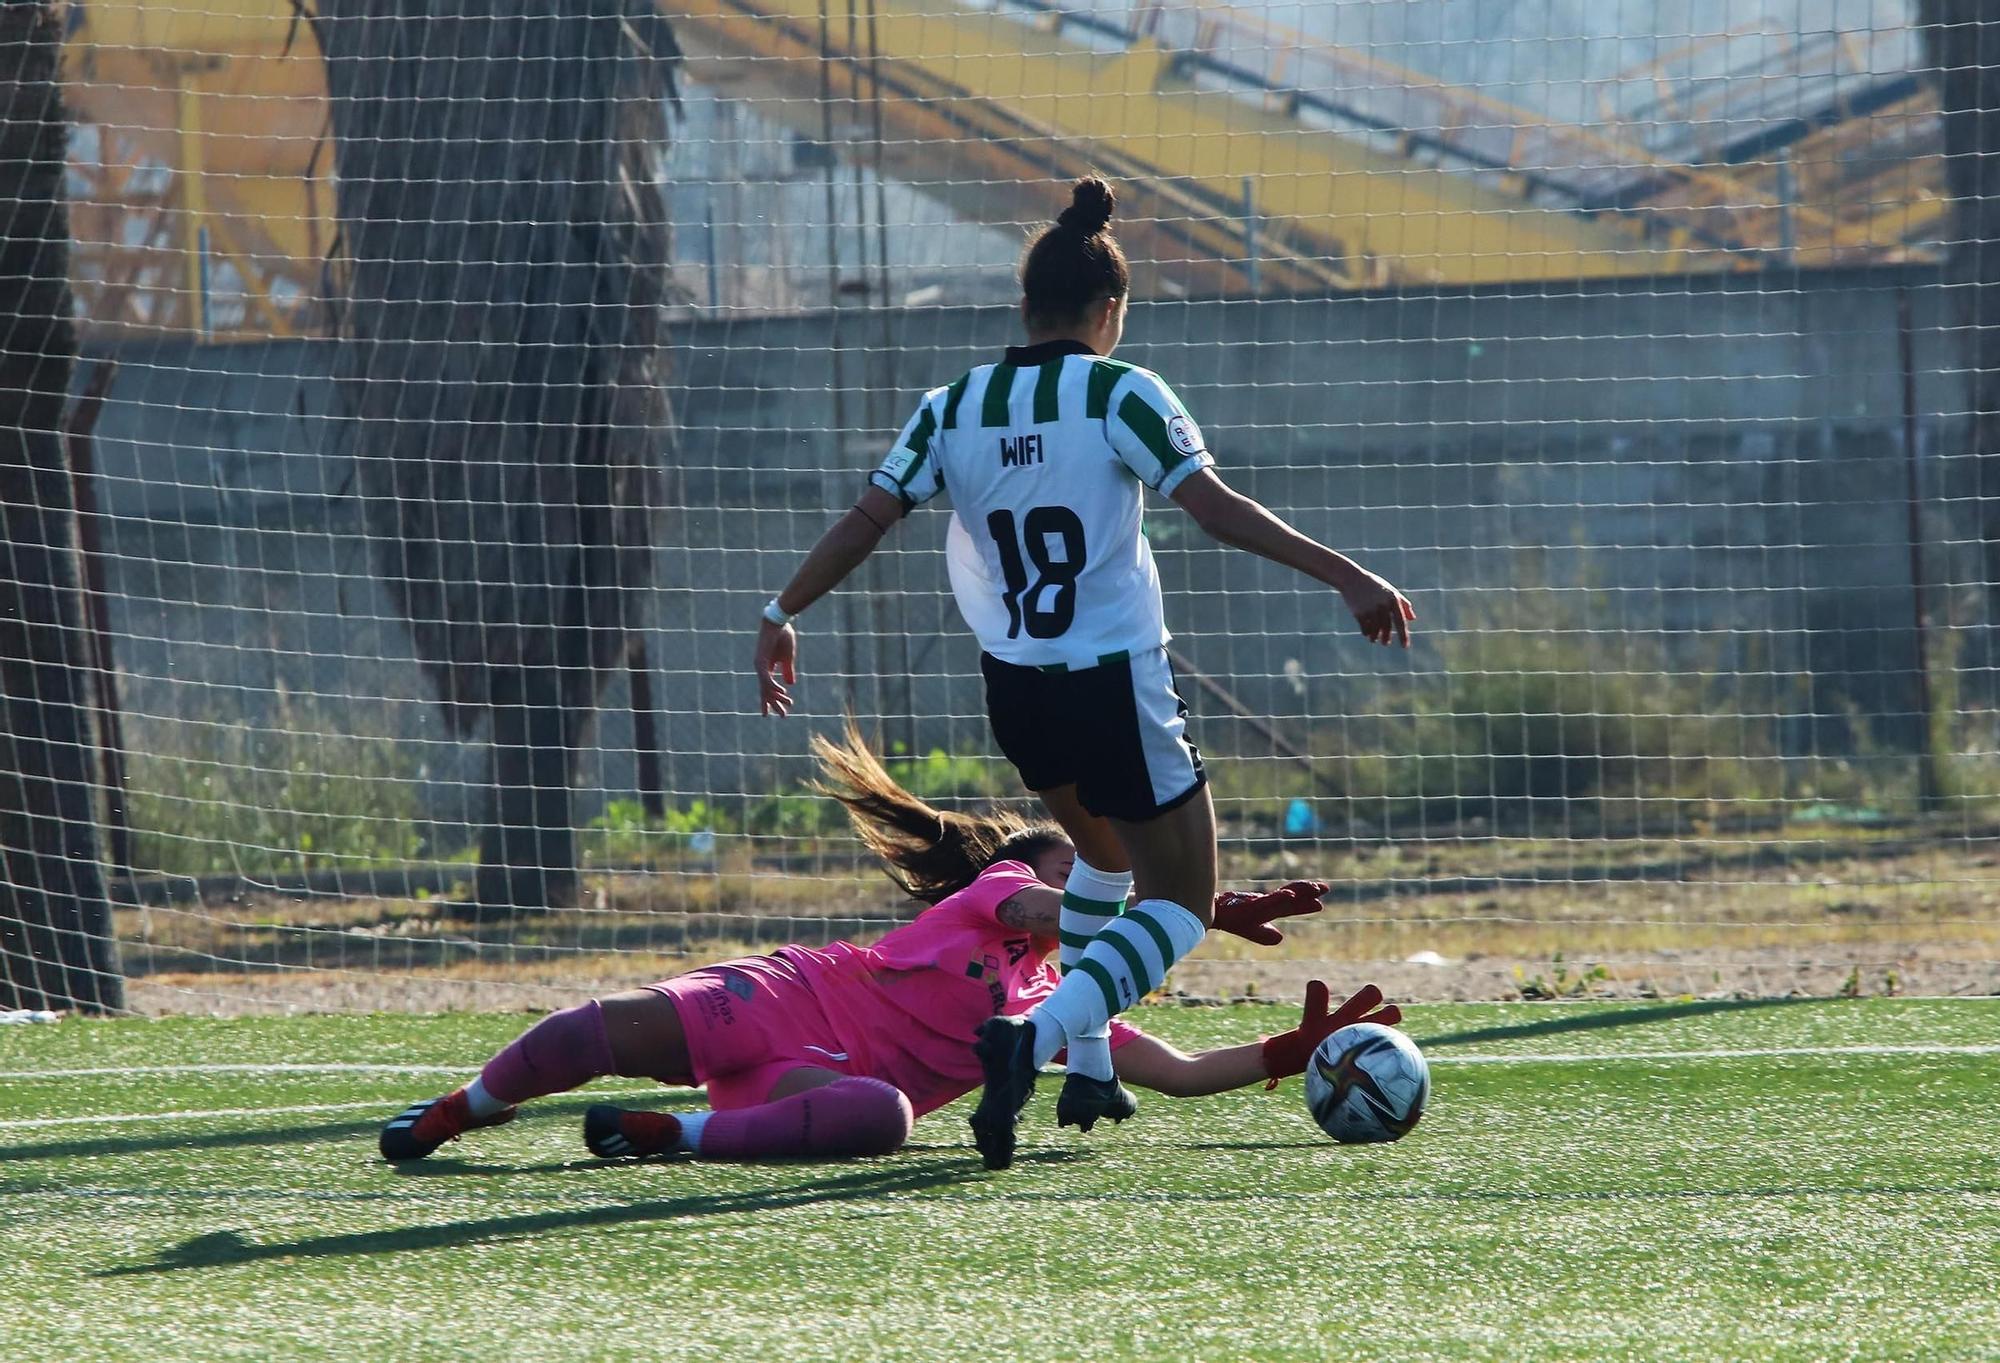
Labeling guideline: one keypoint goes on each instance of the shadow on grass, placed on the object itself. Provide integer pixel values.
(226, 1140)
(1599, 1020)
(445, 1166)
(225, 1248)
(1527, 1197)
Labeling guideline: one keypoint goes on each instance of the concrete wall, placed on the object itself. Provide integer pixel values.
(1718, 463)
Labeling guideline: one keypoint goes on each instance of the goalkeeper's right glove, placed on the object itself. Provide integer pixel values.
(1287, 1053)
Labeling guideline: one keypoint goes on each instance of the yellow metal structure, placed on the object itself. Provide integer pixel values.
(202, 169)
(201, 182)
(1846, 173)
(1367, 218)
(988, 163)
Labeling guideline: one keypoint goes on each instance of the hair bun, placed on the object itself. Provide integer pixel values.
(1090, 208)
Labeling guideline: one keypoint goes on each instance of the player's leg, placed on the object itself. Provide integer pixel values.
(807, 1112)
(1173, 860)
(637, 1033)
(1049, 726)
(647, 1037)
(1147, 780)
(1100, 880)
(1142, 775)
(1099, 883)
(1038, 719)
(1093, 837)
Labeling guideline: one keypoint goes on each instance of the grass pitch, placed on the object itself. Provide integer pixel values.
(1705, 1180)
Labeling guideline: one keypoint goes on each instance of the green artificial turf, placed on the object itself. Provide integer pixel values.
(1592, 1182)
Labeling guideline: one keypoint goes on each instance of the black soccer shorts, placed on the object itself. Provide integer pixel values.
(1117, 732)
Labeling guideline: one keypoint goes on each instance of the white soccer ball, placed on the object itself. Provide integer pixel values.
(1367, 1083)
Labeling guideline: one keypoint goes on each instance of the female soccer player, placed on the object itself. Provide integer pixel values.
(835, 1051)
(1044, 454)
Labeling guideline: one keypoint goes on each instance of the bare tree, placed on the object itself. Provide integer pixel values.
(503, 263)
(56, 944)
(1962, 38)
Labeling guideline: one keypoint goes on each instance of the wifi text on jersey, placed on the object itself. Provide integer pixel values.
(1020, 451)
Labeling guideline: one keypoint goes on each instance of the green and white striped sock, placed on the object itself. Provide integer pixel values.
(1091, 899)
(1124, 962)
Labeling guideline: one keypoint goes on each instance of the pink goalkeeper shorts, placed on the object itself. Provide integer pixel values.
(749, 1022)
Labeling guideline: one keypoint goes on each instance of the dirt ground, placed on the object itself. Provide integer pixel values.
(1764, 913)
(1766, 972)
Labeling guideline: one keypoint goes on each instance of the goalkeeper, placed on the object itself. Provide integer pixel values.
(835, 1051)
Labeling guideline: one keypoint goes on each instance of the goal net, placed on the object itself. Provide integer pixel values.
(458, 381)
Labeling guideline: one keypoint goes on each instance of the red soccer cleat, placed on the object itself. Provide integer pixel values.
(628, 1133)
(422, 1127)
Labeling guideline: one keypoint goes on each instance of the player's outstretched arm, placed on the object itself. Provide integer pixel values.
(1244, 523)
(1151, 1063)
(842, 549)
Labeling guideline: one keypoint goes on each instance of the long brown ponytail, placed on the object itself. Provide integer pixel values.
(931, 853)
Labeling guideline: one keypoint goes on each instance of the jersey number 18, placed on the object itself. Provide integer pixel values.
(1025, 604)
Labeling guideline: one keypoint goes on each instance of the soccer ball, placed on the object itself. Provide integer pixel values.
(1367, 1083)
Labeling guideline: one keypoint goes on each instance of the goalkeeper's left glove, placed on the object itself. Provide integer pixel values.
(1249, 915)
(1286, 1053)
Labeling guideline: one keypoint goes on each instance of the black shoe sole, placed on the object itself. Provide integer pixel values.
(1009, 1085)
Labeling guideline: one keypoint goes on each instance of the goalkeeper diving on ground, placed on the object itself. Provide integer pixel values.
(834, 1051)
(1045, 455)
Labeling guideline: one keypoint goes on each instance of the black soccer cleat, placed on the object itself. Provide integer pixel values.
(1083, 1100)
(421, 1128)
(629, 1133)
(1006, 1051)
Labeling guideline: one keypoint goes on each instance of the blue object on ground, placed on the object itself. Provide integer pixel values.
(1300, 820)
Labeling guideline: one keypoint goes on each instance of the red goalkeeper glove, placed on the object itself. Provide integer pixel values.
(1286, 1053)
(1249, 915)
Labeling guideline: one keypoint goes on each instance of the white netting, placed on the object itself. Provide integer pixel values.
(1624, 338)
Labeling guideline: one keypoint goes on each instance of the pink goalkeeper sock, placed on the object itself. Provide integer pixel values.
(561, 1051)
(854, 1116)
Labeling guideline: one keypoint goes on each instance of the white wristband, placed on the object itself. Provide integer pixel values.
(776, 613)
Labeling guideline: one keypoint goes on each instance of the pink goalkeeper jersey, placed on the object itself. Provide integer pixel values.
(906, 1008)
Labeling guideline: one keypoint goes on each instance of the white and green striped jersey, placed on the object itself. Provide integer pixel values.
(1044, 455)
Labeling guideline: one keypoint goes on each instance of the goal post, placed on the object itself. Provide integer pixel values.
(56, 938)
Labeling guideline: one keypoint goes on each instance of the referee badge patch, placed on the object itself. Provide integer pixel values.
(1185, 435)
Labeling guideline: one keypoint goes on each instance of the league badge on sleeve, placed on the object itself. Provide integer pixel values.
(1185, 435)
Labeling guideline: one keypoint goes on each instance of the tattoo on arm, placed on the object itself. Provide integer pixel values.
(1035, 911)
